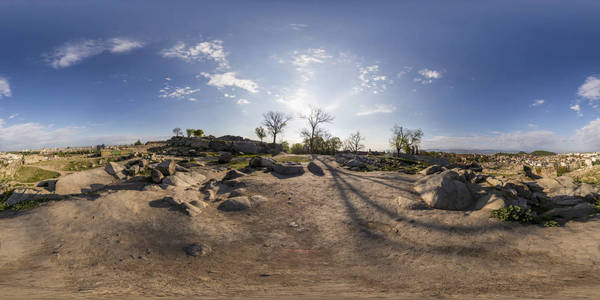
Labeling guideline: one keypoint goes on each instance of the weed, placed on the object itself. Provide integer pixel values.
(516, 214)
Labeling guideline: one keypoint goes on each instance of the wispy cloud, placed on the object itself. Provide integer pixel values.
(230, 79)
(518, 140)
(12, 116)
(537, 102)
(376, 109)
(4, 88)
(176, 92)
(298, 27)
(204, 51)
(243, 101)
(120, 45)
(427, 76)
(74, 52)
(303, 60)
(575, 107)
(371, 80)
(405, 70)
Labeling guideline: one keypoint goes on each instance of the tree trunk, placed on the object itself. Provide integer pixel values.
(274, 138)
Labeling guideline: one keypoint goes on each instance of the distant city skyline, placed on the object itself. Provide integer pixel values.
(501, 75)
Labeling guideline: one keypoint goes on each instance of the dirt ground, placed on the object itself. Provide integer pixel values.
(343, 234)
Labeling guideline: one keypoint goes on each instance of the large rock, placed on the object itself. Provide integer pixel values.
(261, 162)
(288, 168)
(235, 204)
(157, 176)
(115, 170)
(493, 181)
(167, 167)
(25, 194)
(225, 157)
(445, 191)
(233, 174)
(491, 201)
(248, 147)
(315, 169)
(578, 211)
(182, 179)
(82, 182)
(432, 170)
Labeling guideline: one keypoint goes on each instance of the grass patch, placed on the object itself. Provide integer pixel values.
(28, 174)
(293, 158)
(515, 214)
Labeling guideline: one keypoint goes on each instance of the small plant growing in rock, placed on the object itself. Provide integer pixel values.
(551, 223)
(515, 214)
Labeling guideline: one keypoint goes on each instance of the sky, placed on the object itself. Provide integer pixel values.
(502, 75)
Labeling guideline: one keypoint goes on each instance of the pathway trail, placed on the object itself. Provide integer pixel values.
(343, 233)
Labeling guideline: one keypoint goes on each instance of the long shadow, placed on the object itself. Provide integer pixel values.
(370, 178)
(344, 185)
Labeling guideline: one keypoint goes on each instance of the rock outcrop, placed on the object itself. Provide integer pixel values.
(445, 191)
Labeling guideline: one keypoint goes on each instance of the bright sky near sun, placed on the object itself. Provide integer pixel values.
(503, 75)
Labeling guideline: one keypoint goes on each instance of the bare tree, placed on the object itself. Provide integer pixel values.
(275, 122)
(177, 131)
(260, 133)
(353, 142)
(315, 118)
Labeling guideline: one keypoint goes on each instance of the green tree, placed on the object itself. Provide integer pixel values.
(189, 132)
(260, 132)
(177, 131)
(138, 143)
(198, 133)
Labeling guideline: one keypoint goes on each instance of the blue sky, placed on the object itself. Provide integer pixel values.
(505, 75)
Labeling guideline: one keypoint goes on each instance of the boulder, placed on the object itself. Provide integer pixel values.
(444, 191)
(26, 194)
(288, 168)
(183, 179)
(432, 170)
(133, 170)
(521, 188)
(179, 168)
(82, 182)
(355, 163)
(491, 201)
(197, 250)
(249, 147)
(237, 193)
(235, 204)
(157, 176)
(315, 169)
(225, 157)
(493, 181)
(115, 170)
(50, 184)
(143, 163)
(261, 162)
(581, 210)
(167, 167)
(233, 174)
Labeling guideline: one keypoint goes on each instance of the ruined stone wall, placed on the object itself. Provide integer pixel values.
(192, 146)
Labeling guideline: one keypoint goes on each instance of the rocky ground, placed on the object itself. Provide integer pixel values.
(276, 229)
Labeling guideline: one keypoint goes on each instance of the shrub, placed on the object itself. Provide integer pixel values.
(515, 214)
(297, 149)
(560, 170)
(551, 223)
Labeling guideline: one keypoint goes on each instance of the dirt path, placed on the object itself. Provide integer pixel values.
(343, 233)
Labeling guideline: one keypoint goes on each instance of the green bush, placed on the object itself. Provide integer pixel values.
(515, 214)
(560, 170)
(551, 223)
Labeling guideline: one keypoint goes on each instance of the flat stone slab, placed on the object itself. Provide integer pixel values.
(83, 182)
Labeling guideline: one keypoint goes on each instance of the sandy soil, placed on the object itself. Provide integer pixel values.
(344, 234)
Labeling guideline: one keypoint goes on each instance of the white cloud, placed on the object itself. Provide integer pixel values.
(4, 88)
(537, 102)
(371, 80)
(176, 92)
(191, 99)
(589, 136)
(12, 116)
(212, 50)
(74, 52)
(298, 27)
(243, 101)
(577, 109)
(229, 79)
(590, 89)
(229, 95)
(120, 45)
(377, 109)
(428, 76)
(405, 70)
(303, 60)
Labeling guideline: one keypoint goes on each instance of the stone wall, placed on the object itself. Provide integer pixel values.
(192, 146)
